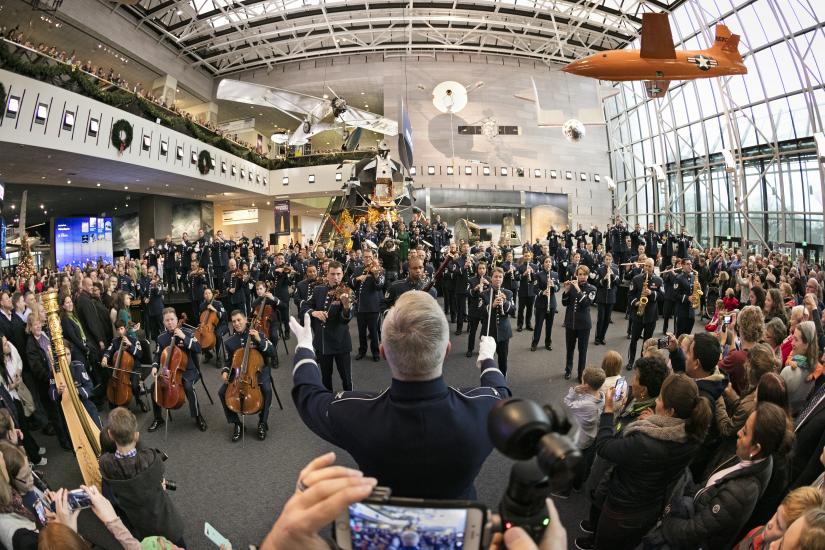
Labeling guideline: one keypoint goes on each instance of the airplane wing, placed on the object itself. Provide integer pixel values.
(300, 136)
(656, 88)
(657, 40)
(369, 121)
(267, 96)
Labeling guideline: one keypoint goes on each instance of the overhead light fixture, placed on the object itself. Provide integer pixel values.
(537, 172)
(41, 207)
(68, 120)
(311, 178)
(41, 113)
(13, 206)
(249, 176)
(285, 180)
(179, 152)
(13, 106)
(450, 171)
(94, 126)
(68, 182)
(178, 12)
(503, 171)
(266, 181)
(568, 175)
(413, 170)
(125, 187)
(257, 178)
(520, 172)
(553, 174)
(583, 176)
(468, 170)
(164, 147)
(338, 176)
(430, 170)
(485, 170)
(597, 178)
(98, 184)
(147, 142)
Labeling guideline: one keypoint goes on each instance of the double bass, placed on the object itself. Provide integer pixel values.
(205, 333)
(119, 389)
(169, 391)
(243, 393)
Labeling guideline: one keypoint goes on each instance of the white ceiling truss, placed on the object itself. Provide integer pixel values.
(229, 36)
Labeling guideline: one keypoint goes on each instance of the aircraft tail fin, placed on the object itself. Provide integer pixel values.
(657, 39)
(727, 43)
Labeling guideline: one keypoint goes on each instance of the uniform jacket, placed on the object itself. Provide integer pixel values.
(651, 244)
(500, 328)
(133, 347)
(654, 283)
(475, 303)
(527, 283)
(683, 288)
(188, 345)
(541, 298)
(606, 294)
(332, 337)
(369, 292)
(400, 287)
(577, 315)
(668, 239)
(237, 342)
(421, 439)
(461, 275)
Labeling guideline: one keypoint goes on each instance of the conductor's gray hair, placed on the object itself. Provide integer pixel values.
(415, 336)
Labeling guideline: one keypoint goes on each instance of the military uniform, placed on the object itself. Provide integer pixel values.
(392, 435)
(607, 283)
(237, 342)
(651, 244)
(400, 287)
(643, 326)
(281, 284)
(151, 256)
(369, 294)
(330, 339)
(191, 347)
(684, 313)
(577, 324)
(461, 278)
(475, 311)
(667, 239)
(545, 312)
(220, 330)
(133, 348)
(499, 328)
(669, 308)
(526, 293)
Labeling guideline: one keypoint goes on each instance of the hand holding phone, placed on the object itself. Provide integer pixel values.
(619, 390)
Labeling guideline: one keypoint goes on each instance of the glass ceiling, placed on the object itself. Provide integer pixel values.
(228, 36)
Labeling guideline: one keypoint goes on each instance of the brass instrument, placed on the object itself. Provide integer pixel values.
(696, 295)
(84, 433)
(642, 305)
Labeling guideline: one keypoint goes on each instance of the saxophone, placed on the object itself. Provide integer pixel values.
(696, 295)
(642, 305)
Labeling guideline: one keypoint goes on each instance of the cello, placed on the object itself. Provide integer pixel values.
(205, 333)
(119, 389)
(243, 393)
(169, 391)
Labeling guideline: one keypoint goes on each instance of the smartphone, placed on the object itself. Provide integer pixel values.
(727, 319)
(412, 523)
(79, 499)
(213, 535)
(619, 389)
(661, 343)
(40, 510)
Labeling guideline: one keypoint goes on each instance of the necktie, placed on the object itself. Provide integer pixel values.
(812, 403)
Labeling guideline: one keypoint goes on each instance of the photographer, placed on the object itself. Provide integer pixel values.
(428, 459)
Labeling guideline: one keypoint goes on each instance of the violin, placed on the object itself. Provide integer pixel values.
(119, 388)
(205, 333)
(169, 391)
(243, 394)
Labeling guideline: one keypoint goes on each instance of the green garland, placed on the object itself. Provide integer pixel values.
(118, 127)
(205, 164)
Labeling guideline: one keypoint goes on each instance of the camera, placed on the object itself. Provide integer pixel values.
(661, 343)
(171, 485)
(533, 435)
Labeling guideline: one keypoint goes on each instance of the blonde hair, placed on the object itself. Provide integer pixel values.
(415, 336)
(612, 363)
(751, 324)
(593, 377)
(799, 501)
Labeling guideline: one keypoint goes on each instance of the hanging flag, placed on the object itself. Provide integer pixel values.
(405, 143)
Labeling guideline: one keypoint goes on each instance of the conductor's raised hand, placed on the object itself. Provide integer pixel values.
(302, 333)
(486, 349)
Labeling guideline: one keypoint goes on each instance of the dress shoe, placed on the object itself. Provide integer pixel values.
(585, 543)
(236, 433)
(533, 347)
(262, 429)
(567, 376)
(458, 333)
(528, 327)
(519, 329)
(201, 423)
(156, 423)
(586, 526)
(469, 353)
(360, 356)
(375, 358)
(548, 347)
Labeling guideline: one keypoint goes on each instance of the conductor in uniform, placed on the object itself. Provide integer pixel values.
(237, 342)
(391, 434)
(644, 285)
(499, 318)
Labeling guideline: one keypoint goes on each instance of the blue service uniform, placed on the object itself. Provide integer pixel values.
(281, 283)
(475, 310)
(526, 292)
(83, 385)
(684, 315)
(461, 286)
(421, 439)
(545, 313)
(607, 282)
(191, 347)
(643, 327)
(577, 324)
(499, 328)
(369, 294)
(134, 349)
(126, 284)
(237, 342)
(221, 329)
(400, 287)
(330, 339)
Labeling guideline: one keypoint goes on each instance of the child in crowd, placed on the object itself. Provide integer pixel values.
(719, 312)
(612, 363)
(730, 302)
(793, 506)
(585, 403)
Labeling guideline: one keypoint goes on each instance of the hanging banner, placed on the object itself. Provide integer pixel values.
(282, 218)
(238, 217)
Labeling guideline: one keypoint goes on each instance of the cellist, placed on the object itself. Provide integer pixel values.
(134, 349)
(189, 345)
(237, 342)
(210, 303)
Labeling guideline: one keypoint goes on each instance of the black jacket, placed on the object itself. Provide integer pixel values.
(87, 314)
(134, 486)
(332, 337)
(577, 314)
(719, 511)
(654, 283)
(369, 293)
(606, 293)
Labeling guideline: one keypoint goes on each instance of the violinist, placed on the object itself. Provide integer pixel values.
(475, 308)
(368, 282)
(197, 282)
(331, 311)
(210, 303)
(152, 297)
(234, 285)
(236, 342)
(187, 342)
(133, 348)
(499, 325)
(282, 278)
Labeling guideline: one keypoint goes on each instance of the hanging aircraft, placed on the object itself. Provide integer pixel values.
(315, 114)
(658, 63)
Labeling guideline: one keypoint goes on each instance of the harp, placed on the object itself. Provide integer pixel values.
(84, 433)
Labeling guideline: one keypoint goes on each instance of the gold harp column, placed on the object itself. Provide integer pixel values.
(84, 433)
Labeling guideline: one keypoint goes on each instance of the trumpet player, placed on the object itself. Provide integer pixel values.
(646, 285)
(499, 320)
(475, 306)
(683, 288)
(548, 285)
(577, 297)
(607, 282)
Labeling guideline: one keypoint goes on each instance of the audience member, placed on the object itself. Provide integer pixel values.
(794, 505)
(802, 366)
(585, 402)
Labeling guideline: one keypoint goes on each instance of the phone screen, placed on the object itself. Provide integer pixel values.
(79, 499)
(373, 525)
(621, 385)
(727, 319)
(40, 510)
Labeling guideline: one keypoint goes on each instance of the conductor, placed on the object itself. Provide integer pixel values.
(391, 434)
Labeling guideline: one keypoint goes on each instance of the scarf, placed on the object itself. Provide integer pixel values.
(73, 318)
(662, 428)
(46, 345)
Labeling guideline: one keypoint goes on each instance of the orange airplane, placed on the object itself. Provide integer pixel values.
(658, 62)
